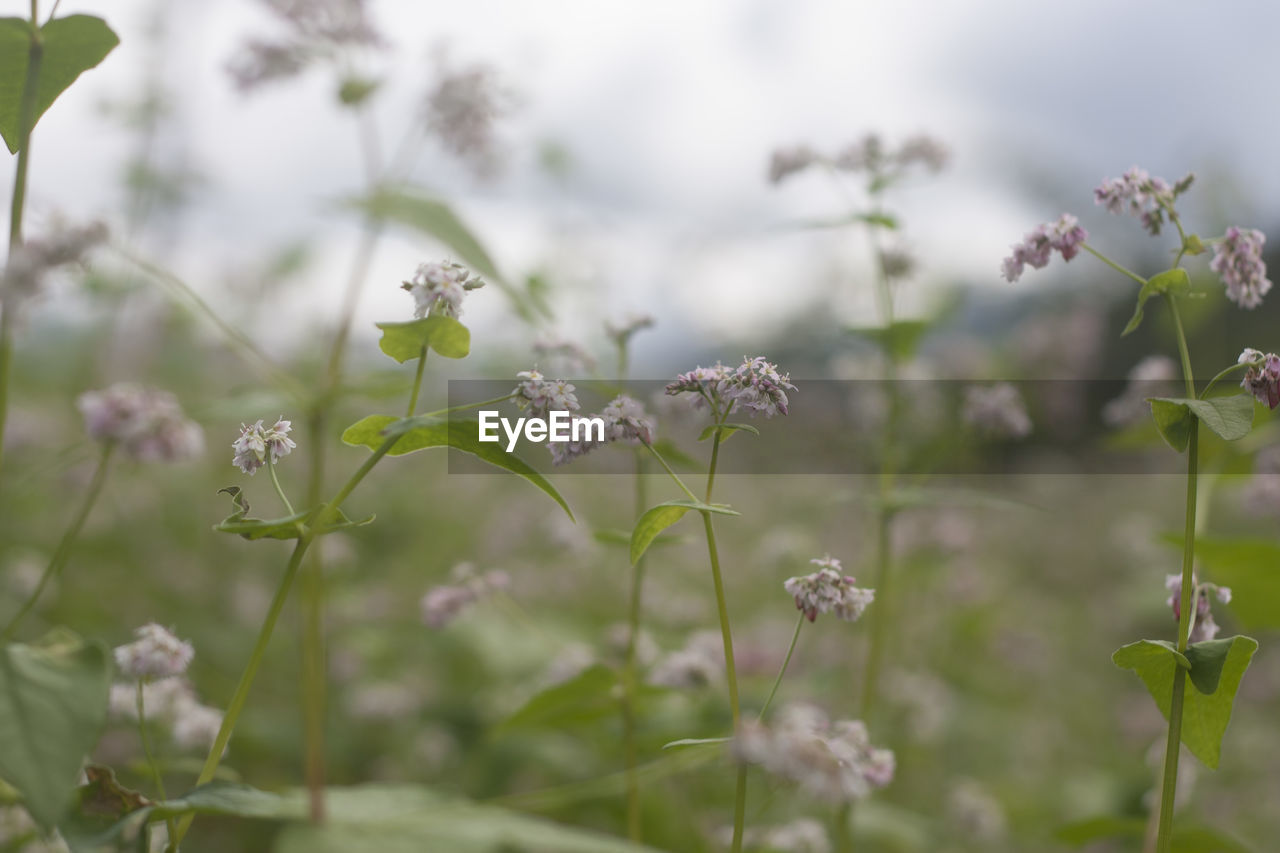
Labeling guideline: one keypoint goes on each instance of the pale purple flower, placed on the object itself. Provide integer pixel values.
(564, 452)
(568, 354)
(30, 262)
(256, 442)
(833, 761)
(316, 30)
(443, 604)
(1237, 259)
(1138, 193)
(439, 288)
(157, 653)
(996, 410)
(758, 387)
(540, 396)
(785, 162)
(461, 111)
(625, 420)
(145, 423)
(1064, 236)
(706, 382)
(1203, 626)
(925, 150)
(1262, 379)
(829, 590)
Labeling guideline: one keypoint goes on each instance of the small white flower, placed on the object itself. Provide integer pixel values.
(829, 591)
(997, 411)
(256, 441)
(156, 653)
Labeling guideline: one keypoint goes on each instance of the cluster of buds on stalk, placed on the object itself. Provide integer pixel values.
(440, 287)
(1202, 625)
(829, 590)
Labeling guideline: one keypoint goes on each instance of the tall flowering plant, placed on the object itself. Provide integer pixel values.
(1193, 678)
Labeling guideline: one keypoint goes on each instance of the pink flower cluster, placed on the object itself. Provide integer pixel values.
(1141, 195)
(1237, 258)
(256, 441)
(1202, 625)
(439, 288)
(754, 385)
(145, 423)
(1262, 379)
(834, 761)
(1064, 236)
(625, 420)
(829, 590)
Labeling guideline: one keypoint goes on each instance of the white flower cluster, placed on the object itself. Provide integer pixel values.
(62, 246)
(829, 590)
(157, 653)
(156, 659)
(754, 385)
(540, 396)
(833, 761)
(145, 423)
(625, 421)
(171, 703)
(997, 411)
(442, 604)
(699, 663)
(439, 288)
(1202, 625)
(803, 835)
(256, 441)
(461, 111)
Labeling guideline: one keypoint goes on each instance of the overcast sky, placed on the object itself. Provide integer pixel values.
(668, 111)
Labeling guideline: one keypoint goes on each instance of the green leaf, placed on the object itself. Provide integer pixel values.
(71, 46)
(391, 819)
(1186, 838)
(1218, 663)
(288, 527)
(1230, 418)
(659, 518)
(590, 695)
(1175, 281)
(695, 741)
(614, 536)
(1251, 568)
(415, 209)
(900, 340)
(726, 430)
(445, 335)
(53, 703)
(426, 431)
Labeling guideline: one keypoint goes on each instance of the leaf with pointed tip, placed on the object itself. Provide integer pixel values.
(70, 46)
(659, 518)
(444, 335)
(1175, 281)
(1230, 418)
(726, 430)
(53, 703)
(426, 431)
(1219, 664)
(695, 741)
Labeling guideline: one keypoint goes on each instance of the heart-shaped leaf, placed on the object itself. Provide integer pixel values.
(444, 335)
(1230, 418)
(1216, 664)
(68, 47)
(53, 703)
(1175, 281)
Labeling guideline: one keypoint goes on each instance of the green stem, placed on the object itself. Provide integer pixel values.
(465, 406)
(1173, 745)
(1169, 783)
(844, 828)
(631, 680)
(730, 668)
(783, 671)
(27, 115)
(241, 694)
(1222, 375)
(275, 481)
(1130, 273)
(674, 475)
(150, 756)
(417, 382)
(63, 551)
